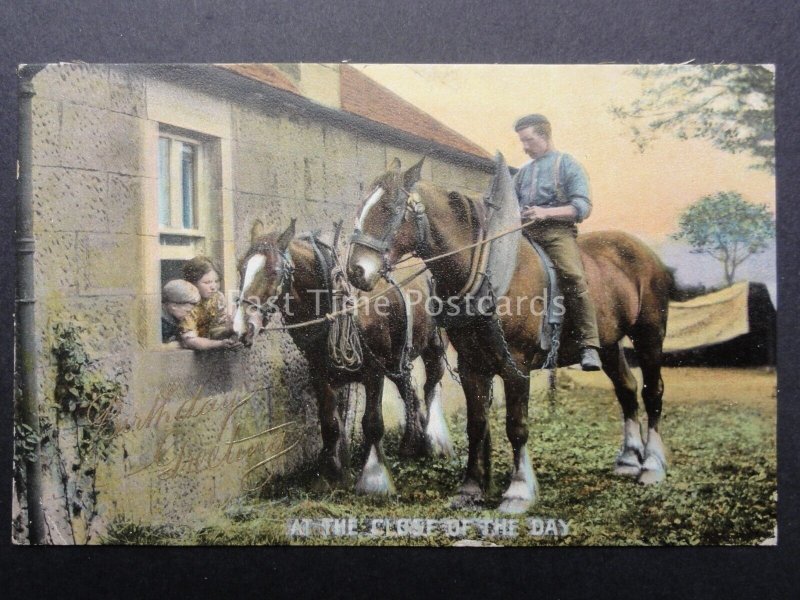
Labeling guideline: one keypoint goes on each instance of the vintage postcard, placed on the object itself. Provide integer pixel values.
(416, 305)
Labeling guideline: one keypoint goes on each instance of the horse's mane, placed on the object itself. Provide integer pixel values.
(477, 209)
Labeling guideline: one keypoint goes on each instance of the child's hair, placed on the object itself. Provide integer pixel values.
(180, 291)
(196, 268)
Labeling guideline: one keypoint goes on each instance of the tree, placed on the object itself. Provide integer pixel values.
(724, 225)
(732, 106)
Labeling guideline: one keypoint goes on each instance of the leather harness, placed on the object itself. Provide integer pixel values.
(477, 284)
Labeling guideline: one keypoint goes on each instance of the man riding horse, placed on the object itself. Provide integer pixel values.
(553, 193)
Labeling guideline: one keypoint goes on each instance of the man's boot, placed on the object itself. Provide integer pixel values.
(590, 359)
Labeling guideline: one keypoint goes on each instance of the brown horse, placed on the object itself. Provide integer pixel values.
(629, 285)
(286, 274)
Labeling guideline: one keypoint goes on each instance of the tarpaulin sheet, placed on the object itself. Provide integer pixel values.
(707, 320)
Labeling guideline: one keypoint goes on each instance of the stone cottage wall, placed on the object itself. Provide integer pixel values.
(173, 458)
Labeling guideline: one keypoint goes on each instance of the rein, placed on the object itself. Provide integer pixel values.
(416, 208)
(366, 300)
(419, 208)
(478, 262)
(361, 302)
(467, 247)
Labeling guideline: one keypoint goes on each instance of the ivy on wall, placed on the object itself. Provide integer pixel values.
(88, 397)
(86, 403)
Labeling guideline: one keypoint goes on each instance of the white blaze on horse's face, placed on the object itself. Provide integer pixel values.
(246, 313)
(365, 264)
(371, 201)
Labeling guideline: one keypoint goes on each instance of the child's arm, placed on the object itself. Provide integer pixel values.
(191, 340)
(199, 343)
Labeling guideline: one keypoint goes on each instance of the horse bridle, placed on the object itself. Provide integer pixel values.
(382, 245)
(284, 283)
(412, 205)
(417, 210)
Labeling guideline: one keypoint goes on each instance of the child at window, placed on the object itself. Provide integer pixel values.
(208, 326)
(178, 298)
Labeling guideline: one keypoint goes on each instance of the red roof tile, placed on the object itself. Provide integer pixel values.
(367, 98)
(264, 73)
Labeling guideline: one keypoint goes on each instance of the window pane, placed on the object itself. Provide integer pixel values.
(164, 216)
(188, 185)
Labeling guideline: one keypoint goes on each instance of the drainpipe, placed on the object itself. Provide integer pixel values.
(28, 404)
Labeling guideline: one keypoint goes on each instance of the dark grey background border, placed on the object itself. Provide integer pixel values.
(382, 31)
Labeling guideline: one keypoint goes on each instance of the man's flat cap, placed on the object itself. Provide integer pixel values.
(530, 121)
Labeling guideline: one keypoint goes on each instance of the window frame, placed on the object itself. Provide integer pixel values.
(177, 112)
(197, 237)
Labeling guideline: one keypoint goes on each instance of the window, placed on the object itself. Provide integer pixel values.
(177, 184)
(188, 213)
(188, 200)
(183, 199)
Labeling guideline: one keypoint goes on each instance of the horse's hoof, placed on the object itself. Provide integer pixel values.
(652, 476)
(375, 483)
(375, 479)
(514, 506)
(436, 431)
(331, 472)
(321, 485)
(416, 449)
(627, 470)
(405, 451)
(440, 450)
(629, 462)
(469, 496)
(467, 502)
(523, 489)
(438, 443)
(654, 469)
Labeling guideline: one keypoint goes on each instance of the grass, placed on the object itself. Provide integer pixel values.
(721, 487)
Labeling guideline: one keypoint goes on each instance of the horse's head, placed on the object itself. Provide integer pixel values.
(266, 275)
(383, 232)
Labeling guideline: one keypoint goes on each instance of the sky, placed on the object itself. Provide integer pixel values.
(640, 192)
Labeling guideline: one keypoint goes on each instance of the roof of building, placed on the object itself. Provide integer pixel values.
(265, 73)
(366, 98)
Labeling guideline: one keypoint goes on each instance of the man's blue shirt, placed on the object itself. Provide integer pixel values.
(535, 184)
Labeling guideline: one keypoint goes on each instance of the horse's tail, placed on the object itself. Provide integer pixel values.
(674, 290)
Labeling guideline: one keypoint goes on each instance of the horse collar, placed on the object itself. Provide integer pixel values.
(414, 202)
(287, 272)
(417, 209)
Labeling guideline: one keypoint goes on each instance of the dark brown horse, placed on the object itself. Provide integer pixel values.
(629, 285)
(282, 273)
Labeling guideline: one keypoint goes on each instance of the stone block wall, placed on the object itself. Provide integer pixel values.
(177, 455)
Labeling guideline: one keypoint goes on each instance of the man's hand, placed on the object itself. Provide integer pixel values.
(534, 213)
